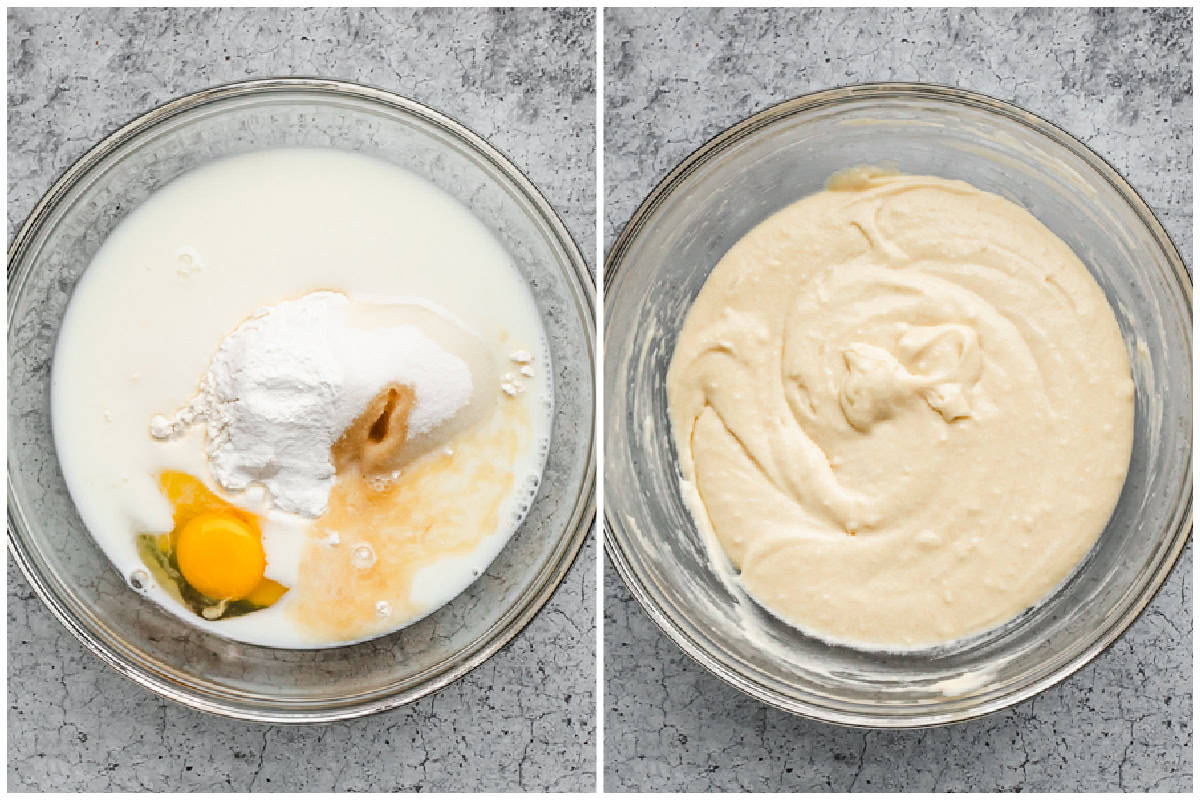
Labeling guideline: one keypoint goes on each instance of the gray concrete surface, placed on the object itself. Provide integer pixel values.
(522, 79)
(1119, 80)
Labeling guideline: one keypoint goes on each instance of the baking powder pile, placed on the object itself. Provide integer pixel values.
(285, 385)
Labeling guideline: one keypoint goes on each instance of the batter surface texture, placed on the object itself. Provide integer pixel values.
(904, 408)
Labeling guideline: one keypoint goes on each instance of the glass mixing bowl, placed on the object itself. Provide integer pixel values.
(766, 162)
(69, 571)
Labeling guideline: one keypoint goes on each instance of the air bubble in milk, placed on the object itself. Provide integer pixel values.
(362, 556)
(383, 608)
(139, 580)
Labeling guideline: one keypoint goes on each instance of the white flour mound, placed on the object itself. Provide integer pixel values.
(288, 381)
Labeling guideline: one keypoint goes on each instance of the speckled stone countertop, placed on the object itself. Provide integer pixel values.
(1121, 81)
(522, 79)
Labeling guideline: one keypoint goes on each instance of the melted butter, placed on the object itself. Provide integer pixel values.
(443, 504)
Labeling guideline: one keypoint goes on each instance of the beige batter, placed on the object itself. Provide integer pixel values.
(904, 408)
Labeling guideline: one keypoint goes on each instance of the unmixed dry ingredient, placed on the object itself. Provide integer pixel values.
(905, 409)
(286, 383)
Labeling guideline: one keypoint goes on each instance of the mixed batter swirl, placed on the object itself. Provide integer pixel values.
(906, 409)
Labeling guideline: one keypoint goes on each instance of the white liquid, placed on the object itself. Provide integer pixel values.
(201, 255)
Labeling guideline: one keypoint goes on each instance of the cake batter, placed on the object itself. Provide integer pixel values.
(904, 408)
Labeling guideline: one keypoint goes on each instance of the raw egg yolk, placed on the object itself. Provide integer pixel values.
(217, 545)
(221, 556)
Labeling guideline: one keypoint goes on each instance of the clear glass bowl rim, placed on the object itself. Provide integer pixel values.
(582, 291)
(947, 96)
